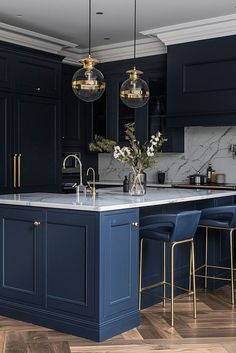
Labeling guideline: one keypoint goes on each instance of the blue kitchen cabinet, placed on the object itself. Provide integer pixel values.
(201, 83)
(21, 265)
(71, 268)
(6, 61)
(119, 244)
(5, 127)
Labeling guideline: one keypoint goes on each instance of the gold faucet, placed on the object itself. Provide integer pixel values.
(92, 188)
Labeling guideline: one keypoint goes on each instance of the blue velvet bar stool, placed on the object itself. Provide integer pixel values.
(222, 218)
(174, 229)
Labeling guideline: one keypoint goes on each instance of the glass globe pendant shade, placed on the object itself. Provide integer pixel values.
(88, 82)
(134, 92)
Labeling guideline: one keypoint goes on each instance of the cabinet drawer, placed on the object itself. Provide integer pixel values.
(37, 77)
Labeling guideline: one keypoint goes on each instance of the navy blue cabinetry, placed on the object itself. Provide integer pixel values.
(148, 119)
(21, 255)
(36, 143)
(5, 127)
(70, 270)
(119, 264)
(30, 113)
(36, 76)
(201, 85)
(6, 61)
(72, 121)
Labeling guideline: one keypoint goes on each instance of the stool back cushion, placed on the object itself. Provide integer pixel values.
(185, 225)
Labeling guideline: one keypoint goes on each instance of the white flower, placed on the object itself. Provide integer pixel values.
(117, 152)
(150, 152)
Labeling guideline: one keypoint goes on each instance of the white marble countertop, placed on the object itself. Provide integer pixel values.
(111, 199)
(120, 182)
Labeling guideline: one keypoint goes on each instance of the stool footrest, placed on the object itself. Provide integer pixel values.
(159, 284)
(213, 277)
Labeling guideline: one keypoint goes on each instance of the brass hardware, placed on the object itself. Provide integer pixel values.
(19, 170)
(14, 170)
(135, 224)
(37, 223)
(92, 188)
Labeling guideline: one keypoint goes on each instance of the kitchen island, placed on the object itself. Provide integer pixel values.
(70, 262)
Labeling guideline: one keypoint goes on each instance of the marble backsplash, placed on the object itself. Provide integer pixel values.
(203, 145)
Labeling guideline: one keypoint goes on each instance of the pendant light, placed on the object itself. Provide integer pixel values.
(134, 92)
(88, 83)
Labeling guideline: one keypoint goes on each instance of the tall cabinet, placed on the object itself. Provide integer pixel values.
(29, 120)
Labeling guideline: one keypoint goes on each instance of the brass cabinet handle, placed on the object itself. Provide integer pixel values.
(135, 224)
(37, 223)
(19, 170)
(14, 170)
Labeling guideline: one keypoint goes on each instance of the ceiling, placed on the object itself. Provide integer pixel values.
(67, 19)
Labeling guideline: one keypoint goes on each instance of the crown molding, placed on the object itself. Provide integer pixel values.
(71, 52)
(124, 50)
(20, 36)
(196, 30)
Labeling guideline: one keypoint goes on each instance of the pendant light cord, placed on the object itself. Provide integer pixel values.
(90, 25)
(135, 29)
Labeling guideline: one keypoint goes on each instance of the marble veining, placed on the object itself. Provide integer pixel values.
(111, 199)
(203, 145)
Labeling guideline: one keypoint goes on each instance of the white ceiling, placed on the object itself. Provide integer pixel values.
(67, 19)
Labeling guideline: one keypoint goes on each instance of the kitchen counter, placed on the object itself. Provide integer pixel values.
(112, 199)
(120, 183)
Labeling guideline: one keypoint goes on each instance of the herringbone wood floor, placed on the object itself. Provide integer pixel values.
(214, 331)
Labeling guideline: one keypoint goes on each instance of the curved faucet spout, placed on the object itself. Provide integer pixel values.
(92, 188)
(80, 165)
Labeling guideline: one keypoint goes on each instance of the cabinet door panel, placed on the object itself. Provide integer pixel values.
(5, 71)
(37, 141)
(119, 262)
(21, 255)
(70, 262)
(5, 125)
(71, 110)
(37, 77)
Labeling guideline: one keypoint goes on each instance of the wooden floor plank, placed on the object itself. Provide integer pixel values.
(214, 331)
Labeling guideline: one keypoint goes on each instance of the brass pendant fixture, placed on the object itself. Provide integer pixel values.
(88, 82)
(134, 92)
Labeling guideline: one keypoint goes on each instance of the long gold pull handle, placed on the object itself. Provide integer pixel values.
(37, 223)
(19, 170)
(14, 170)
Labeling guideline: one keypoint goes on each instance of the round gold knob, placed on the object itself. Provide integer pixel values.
(135, 224)
(37, 223)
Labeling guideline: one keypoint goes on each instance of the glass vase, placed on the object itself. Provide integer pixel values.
(137, 183)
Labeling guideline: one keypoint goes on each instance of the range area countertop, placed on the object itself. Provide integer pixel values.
(111, 199)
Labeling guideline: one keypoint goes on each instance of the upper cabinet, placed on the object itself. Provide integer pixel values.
(72, 110)
(201, 82)
(109, 115)
(39, 77)
(6, 62)
(30, 114)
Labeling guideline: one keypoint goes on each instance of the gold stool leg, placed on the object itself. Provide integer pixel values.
(232, 265)
(206, 258)
(172, 282)
(190, 270)
(140, 272)
(164, 274)
(194, 281)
